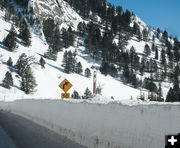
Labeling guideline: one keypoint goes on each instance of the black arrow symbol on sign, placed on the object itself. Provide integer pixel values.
(65, 84)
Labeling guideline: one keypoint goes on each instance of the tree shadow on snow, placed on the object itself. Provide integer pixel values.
(11, 69)
(40, 55)
(58, 68)
(2, 46)
(17, 87)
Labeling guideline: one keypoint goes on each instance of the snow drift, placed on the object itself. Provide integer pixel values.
(103, 125)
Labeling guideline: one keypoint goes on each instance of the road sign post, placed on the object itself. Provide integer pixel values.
(94, 83)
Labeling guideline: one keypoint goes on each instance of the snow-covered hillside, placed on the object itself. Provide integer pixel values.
(49, 78)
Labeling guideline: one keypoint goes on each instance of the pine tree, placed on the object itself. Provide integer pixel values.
(126, 74)
(87, 94)
(104, 69)
(153, 48)
(135, 28)
(99, 89)
(28, 82)
(171, 96)
(72, 61)
(10, 40)
(23, 62)
(87, 73)
(7, 15)
(65, 38)
(156, 54)
(176, 50)
(81, 28)
(163, 58)
(147, 50)
(176, 78)
(70, 36)
(139, 35)
(153, 38)
(50, 54)
(8, 80)
(10, 62)
(56, 43)
(75, 95)
(113, 71)
(65, 62)
(134, 81)
(42, 62)
(142, 65)
(52, 34)
(69, 62)
(160, 98)
(165, 35)
(171, 60)
(25, 34)
(78, 68)
(158, 31)
(123, 39)
(174, 93)
(145, 34)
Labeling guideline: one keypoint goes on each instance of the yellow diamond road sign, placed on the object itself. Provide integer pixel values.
(65, 85)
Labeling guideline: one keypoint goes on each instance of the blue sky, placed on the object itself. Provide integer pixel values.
(164, 14)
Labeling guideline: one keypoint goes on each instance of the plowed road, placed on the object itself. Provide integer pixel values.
(18, 132)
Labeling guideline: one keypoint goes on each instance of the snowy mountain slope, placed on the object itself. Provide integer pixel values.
(49, 78)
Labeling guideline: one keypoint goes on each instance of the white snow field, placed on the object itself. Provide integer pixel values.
(111, 125)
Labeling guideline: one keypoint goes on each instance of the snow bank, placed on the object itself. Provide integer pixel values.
(103, 125)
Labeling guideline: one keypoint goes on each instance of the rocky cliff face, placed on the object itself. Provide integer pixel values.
(59, 10)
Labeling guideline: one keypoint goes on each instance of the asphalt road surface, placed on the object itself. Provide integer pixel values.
(27, 134)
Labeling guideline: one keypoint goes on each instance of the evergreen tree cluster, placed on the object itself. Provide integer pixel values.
(87, 73)
(113, 15)
(108, 69)
(10, 40)
(75, 95)
(8, 80)
(129, 77)
(52, 34)
(24, 33)
(23, 67)
(174, 93)
(87, 94)
(10, 62)
(70, 63)
(67, 37)
(3, 4)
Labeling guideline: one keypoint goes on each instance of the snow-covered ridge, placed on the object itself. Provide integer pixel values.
(59, 10)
